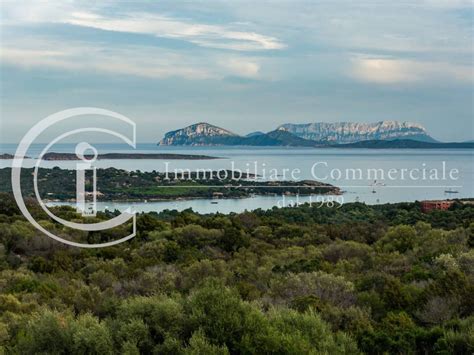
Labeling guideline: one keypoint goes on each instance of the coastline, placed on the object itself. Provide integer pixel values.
(191, 198)
(53, 156)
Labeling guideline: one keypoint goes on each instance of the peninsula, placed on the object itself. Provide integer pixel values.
(121, 185)
(116, 156)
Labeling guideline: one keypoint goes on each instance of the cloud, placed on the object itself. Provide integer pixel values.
(21, 12)
(383, 71)
(140, 61)
(241, 67)
(228, 36)
(149, 61)
(137, 61)
(214, 36)
(443, 27)
(393, 71)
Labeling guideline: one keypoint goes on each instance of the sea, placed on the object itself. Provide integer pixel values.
(372, 176)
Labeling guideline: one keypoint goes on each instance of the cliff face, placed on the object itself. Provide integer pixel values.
(349, 132)
(196, 134)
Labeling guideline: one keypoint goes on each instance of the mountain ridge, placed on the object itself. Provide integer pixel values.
(349, 132)
(302, 135)
(273, 138)
(194, 131)
(404, 144)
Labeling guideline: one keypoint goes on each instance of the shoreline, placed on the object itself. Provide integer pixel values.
(192, 198)
(53, 156)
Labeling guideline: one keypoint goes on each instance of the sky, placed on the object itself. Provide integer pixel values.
(241, 65)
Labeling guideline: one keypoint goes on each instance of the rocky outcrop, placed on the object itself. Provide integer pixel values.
(196, 134)
(349, 132)
(298, 135)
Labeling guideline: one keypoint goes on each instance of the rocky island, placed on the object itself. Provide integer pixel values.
(9, 156)
(318, 134)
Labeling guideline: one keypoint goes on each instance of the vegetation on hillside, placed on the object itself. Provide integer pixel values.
(306, 280)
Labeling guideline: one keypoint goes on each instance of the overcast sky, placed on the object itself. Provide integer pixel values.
(245, 66)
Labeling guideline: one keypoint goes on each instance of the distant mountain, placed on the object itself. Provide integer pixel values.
(196, 134)
(277, 138)
(204, 134)
(304, 135)
(404, 144)
(349, 132)
(252, 134)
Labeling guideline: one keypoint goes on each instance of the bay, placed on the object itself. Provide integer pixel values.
(283, 162)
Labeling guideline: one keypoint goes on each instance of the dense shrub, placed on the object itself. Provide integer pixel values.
(306, 280)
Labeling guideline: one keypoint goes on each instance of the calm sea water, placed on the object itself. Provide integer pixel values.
(334, 166)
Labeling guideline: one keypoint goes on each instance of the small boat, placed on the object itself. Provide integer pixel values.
(450, 191)
(214, 202)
